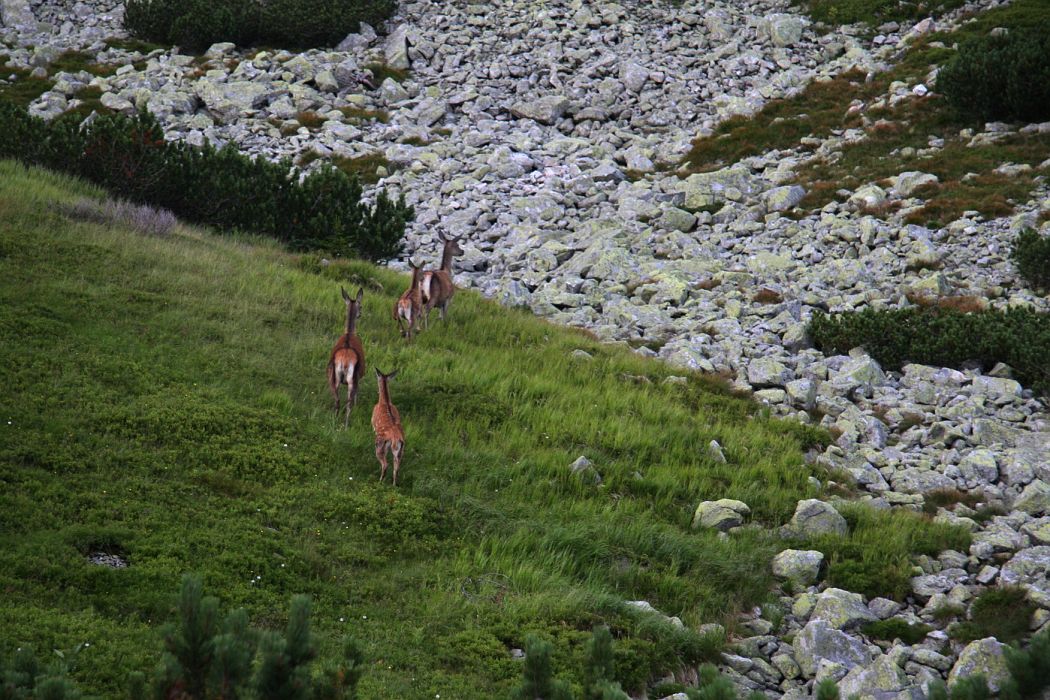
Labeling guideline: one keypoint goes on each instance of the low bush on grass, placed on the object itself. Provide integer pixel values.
(196, 24)
(1003, 613)
(896, 628)
(1031, 255)
(1000, 77)
(1018, 337)
(220, 188)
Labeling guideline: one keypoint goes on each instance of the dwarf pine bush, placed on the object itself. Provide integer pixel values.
(1000, 77)
(215, 187)
(1031, 255)
(196, 24)
(1019, 337)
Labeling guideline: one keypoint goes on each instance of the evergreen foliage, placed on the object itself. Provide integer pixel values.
(599, 670)
(537, 679)
(1003, 613)
(215, 187)
(996, 77)
(971, 688)
(23, 676)
(1019, 337)
(1029, 668)
(1031, 255)
(196, 24)
(937, 690)
(827, 690)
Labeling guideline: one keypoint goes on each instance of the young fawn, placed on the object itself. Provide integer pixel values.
(409, 306)
(347, 362)
(386, 422)
(437, 284)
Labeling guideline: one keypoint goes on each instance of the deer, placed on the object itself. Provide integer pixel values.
(409, 306)
(347, 363)
(437, 284)
(386, 422)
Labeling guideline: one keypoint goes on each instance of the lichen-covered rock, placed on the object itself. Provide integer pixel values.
(797, 565)
(545, 110)
(704, 189)
(764, 372)
(783, 29)
(820, 642)
(868, 197)
(907, 183)
(883, 678)
(813, 517)
(1029, 568)
(723, 515)
(1035, 499)
(979, 468)
(842, 609)
(227, 102)
(985, 657)
(784, 198)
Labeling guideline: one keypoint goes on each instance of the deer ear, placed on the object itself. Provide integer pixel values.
(346, 297)
(379, 375)
(441, 235)
(392, 374)
(360, 294)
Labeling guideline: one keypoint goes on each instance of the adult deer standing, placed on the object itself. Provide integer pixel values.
(409, 306)
(437, 284)
(386, 422)
(347, 363)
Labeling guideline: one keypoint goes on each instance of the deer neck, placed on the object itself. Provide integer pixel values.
(384, 400)
(446, 259)
(351, 324)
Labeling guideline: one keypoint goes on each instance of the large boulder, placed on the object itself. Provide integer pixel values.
(842, 609)
(819, 641)
(882, 679)
(813, 517)
(1035, 499)
(395, 50)
(723, 515)
(766, 372)
(985, 657)
(633, 76)
(705, 189)
(797, 565)
(228, 102)
(782, 29)
(16, 13)
(545, 110)
(907, 183)
(784, 198)
(1029, 568)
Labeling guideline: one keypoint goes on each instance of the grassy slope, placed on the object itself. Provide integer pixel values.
(165, 398)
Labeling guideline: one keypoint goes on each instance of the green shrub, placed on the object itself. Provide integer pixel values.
(219, 188)
(943, 337)
(1000, 77)
(971, 688)
(827, 690)
(1031, 255)
(896, 628)
(1003, 613)
(1029, 668)
(873, 11)
(196, 24)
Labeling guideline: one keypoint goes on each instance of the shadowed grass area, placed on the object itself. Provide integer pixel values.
(165, 401)
(874, 12)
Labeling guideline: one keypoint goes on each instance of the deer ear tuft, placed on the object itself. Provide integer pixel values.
(360, 294)
(346, 297)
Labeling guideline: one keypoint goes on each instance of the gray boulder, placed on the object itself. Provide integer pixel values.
(842, 609)
(1035, 499)
(228, 102)
(783, 29)
(907, 183)
(1029, 568)
(797, 565)
(984, 656)
(813, 517)
(819, 641)
(722, 515)
(883, 679)
(784, 198)
(545, 110)
(633, 76)
(765, 372)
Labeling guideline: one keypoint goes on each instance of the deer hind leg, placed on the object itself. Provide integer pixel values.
(381, 448)
(333, 384)
(399, 448)
(444, 308)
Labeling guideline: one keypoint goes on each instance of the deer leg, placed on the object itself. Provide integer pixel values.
(333, 384)
(381, 446)
(444, 309)
(351, 395)
(399, 448)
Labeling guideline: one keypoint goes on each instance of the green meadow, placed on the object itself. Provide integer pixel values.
(164, 399)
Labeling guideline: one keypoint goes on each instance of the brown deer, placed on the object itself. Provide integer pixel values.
(347, 363)
(409, 306)
(437, 284)
(386, 422)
